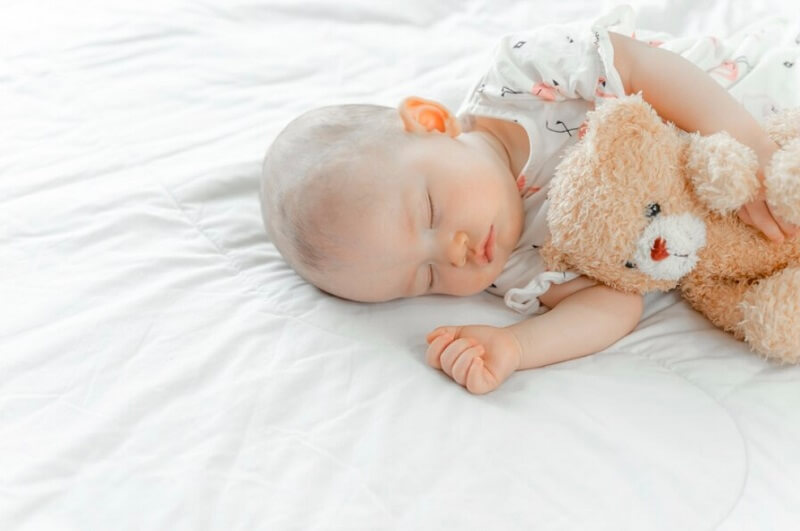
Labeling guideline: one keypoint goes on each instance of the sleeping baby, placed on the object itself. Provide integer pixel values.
(373, 203)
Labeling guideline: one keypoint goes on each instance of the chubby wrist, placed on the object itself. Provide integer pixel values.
(524, 333)
(516, 340)
(764, 152)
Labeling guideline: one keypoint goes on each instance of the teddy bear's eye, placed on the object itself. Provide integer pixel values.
(653, 209)
(630, 265)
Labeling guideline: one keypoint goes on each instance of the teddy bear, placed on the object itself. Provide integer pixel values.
(640, 205)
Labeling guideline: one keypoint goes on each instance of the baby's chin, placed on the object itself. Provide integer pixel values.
(487, 280)
(499, 263)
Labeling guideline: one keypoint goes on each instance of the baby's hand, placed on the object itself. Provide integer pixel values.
(757, 213)
(478, 357)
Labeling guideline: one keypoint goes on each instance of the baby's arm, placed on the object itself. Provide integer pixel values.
(686, 95)
(585, 318)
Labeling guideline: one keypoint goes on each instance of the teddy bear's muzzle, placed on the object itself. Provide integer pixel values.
(669, 245)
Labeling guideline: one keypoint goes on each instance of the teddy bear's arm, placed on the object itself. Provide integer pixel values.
(716, 298)
(722, 171)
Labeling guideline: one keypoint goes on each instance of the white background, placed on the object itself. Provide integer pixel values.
(162, 368)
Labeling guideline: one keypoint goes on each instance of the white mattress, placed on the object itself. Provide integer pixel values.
(161, 368)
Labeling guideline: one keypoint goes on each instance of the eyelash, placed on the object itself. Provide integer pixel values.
(430, 205)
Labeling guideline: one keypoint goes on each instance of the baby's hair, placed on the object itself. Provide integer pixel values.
(306, 173)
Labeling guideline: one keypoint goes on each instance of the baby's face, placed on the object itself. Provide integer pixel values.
(446, 222)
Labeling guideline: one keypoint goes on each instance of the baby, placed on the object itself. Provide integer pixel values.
(373, 203)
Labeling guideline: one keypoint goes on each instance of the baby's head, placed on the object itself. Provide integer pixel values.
(370, 203)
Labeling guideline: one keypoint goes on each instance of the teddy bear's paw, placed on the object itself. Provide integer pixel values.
(771, 316)
(783, 182)
(784, 126)
(722, 171)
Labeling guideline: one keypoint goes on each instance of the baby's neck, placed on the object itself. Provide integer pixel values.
(512, 139)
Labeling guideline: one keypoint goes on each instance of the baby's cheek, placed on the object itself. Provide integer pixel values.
(484, 277)
(463, 282)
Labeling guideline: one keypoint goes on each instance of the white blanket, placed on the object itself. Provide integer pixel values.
(162, 368)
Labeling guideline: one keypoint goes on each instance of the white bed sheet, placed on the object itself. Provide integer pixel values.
(161, 368)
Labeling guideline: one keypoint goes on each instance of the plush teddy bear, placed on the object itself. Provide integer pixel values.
(640, 205)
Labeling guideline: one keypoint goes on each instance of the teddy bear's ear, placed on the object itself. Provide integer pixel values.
(617, 119)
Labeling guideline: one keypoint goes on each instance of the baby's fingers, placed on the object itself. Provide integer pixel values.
(436, 332)
(759, 216)
(435, 349)
(464, 361)
(480, 379)
(453, 351)
(789, 230)
(744, 215)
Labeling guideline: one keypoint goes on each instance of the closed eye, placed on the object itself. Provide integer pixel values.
(430, 209)
(430, 268)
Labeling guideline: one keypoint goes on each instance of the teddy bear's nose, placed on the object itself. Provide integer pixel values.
(659, 250)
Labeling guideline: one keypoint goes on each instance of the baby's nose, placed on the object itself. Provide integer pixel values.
(457, 251)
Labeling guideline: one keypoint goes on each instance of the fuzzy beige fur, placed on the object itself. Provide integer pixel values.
(640, 205)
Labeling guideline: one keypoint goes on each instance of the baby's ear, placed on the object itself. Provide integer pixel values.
(427, 116)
